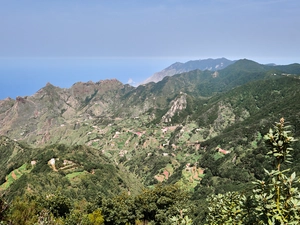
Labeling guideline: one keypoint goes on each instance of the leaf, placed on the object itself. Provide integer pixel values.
(267, 172)
(270, 222)
(293, 176)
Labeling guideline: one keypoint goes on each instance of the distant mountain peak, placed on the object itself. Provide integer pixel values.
(200, 64)
(110, 81)
(49, 84)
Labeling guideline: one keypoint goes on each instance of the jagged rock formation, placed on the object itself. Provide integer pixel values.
(177, 105)
(51, 108)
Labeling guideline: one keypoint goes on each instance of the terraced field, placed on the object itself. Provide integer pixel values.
(14, 175)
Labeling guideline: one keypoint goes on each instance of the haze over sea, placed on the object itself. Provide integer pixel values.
(63, 42)
(25, 76)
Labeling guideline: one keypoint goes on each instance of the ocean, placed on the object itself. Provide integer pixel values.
(25, 76)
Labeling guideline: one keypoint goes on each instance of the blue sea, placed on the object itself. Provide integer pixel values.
(25, 76)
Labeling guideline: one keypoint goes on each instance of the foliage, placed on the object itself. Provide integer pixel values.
(96, 217)
(278, 199)
(162, 202)
(45, 217)
(158, 205)
(58, 204)
(51, 209)
(23, 211)
(4, 206)
(274, 201)
(118, 210)
(279, 141)
(181, 219)
(226, 208)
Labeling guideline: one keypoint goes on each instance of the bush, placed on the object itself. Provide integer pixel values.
(275, 200)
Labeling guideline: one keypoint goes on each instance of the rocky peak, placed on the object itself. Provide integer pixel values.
(20, 99)
(177, 105)
(215, 74)
(49, 84)
(111, 82)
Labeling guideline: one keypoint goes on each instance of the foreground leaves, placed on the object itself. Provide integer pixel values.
(274, 201)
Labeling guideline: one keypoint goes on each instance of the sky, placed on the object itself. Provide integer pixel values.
(65, 41)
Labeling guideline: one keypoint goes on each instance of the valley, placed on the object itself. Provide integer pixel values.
(198, 131)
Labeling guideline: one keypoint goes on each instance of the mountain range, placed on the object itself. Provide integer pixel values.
(177, 68)
(201, 129)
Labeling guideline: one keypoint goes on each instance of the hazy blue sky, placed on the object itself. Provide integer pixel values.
(60, 40)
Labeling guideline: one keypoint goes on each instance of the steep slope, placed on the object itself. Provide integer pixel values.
(177, 68)
(38, 118)
(79, 171)
(12, 156)
(232, 123)
(156, 98)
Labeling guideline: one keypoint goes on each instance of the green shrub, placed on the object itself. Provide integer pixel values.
(275, 200)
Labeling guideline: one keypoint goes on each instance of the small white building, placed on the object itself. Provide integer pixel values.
(52, 161)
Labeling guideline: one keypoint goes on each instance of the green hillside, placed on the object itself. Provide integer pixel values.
(136, 154)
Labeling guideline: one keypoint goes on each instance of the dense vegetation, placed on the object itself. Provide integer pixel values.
(272, 200)
(275, 200)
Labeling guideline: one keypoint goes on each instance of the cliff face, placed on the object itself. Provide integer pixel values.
(177, 106)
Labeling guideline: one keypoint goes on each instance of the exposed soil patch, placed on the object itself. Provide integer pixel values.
(195, 176)
(14, 176)
(166, 174)
(159, 178)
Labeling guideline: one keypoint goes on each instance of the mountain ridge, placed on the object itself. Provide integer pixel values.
(178, 67)
(54, 110)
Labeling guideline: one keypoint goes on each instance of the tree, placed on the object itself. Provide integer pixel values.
(226, 208)
(23, 211)
(96, 217)
(118, 210)
(162, 203)
(275, 200)
(157, 205)
(4, 206)
(181, 219)
(57, 203)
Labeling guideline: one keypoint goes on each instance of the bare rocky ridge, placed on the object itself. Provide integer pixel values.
(177, 105)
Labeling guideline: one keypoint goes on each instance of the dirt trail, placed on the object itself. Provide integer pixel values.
(54, 168)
